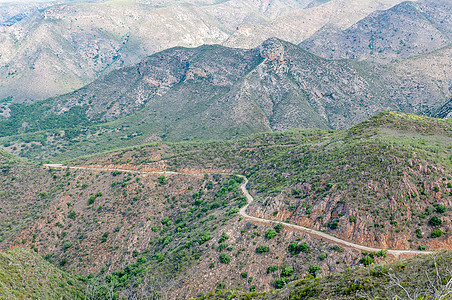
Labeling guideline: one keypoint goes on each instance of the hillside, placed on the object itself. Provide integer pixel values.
(53, 48)
(407, 29)
(378, 183)
(143, 233)
(26, 275)
(140, 232)
(400, 279)
(214, 92)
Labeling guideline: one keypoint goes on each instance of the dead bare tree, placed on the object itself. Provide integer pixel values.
(438, 287)
(100, 288)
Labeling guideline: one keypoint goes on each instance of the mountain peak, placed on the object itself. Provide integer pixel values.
(272, 49)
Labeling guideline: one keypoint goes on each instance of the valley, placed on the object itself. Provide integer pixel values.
(102, 204)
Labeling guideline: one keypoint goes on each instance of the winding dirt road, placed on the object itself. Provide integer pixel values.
(312, 232)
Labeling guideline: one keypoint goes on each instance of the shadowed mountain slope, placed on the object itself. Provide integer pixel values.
(407, 29)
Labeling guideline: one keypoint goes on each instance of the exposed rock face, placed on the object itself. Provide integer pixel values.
(298, 25)
(272, 49)
(292, 87)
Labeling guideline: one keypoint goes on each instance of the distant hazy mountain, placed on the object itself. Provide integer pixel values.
(300, 24)
(217, 92)
(409, 28)
(50, 49)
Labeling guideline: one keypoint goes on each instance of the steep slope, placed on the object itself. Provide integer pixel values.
(444, 111)
(26, 275)
(54, 48)
(415, 77)
(407, 29)
(213, 92)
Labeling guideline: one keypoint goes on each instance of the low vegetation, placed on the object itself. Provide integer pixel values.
(422, 277)
(26, 275)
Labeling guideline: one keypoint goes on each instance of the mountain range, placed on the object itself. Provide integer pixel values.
(225, 149)
(52, 48)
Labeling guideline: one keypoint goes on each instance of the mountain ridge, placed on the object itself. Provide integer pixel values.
(213, 92)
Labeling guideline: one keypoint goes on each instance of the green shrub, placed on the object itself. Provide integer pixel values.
(272, 269)
(271, 233)
(322, 256)
(262, 249)
(419, 234)
(204, 238)
(66, 245)
(223, 238)
(309, 291)
(105, 237)
(72, 215)
(224, 258)
(436, 233)
(334, 224)
(381, 253)
(162, 180)
(244, 274)
(63, 261)
(337, 248)
(352, 219)
(314, 270)
(440, 209)
(221, 285)
(435, 221)
(281, 282)
(295, 248)
(422, 247)
(278, 227)
(287, 272)
(367, 260)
